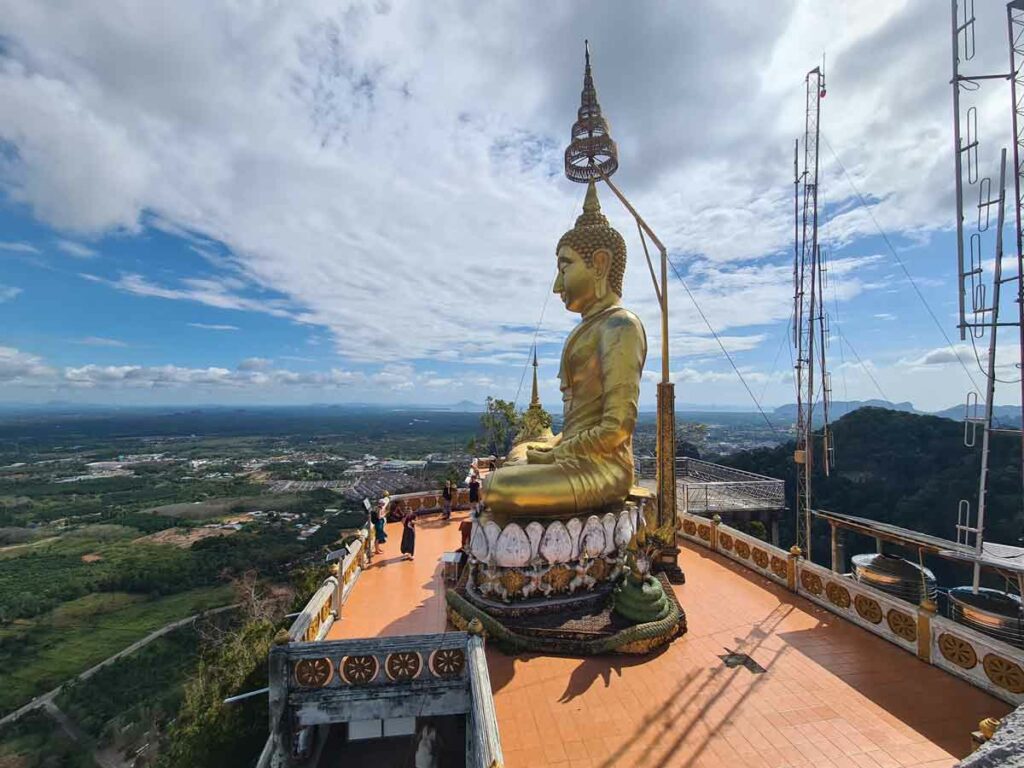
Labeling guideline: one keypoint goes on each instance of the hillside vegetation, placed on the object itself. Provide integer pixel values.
(905, 469)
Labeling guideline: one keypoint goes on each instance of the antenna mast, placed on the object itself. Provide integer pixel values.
(984, 308)
(809, 319)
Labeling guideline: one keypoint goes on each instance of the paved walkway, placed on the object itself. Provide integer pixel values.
(395, 596)
(833, 695)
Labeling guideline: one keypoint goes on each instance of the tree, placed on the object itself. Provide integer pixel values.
(533, 424)
(500, 423)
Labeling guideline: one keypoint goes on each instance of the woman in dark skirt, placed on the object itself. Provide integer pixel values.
(448, 494)
(378, 517)
(409, 534)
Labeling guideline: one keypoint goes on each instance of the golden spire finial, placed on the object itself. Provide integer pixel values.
(591, 150)
(592, 215)
(591, 204)
(535, 399)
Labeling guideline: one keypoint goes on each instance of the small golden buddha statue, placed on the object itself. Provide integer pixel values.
(589, 466)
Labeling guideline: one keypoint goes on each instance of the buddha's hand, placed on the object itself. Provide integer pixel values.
(540, 455)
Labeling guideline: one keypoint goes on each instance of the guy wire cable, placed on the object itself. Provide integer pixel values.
(721, 346)
(899, 261)
(540, 320)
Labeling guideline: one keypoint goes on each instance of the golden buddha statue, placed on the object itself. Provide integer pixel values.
(589, 466)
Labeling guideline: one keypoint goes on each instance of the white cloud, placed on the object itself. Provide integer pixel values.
(211, 378)
(395, 377)
(390, 174)
(8, 292)
(17, 366)
(100, 341)
(974, 358)
(401, 196)
(214, 326)
(254, 364)
(77, 250)
(212, 292)
(18, 247)
(942, 356)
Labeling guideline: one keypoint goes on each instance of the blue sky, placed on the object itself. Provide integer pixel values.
(282, 205)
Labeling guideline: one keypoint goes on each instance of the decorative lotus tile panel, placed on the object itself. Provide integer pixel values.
(403, 665)
(868, 608)
(313, 673)
(1004, 673)
(811, 582)
(838, 595)
(903, 625)
(957, 651)
(779, 567)
(359, 670)
(447, 662)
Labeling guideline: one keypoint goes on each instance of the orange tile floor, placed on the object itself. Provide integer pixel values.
(833, 694)
(395, 596)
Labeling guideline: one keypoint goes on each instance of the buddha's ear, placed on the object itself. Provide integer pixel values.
(602, 262)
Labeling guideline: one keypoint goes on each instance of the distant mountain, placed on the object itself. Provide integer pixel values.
(839, 408)
(1004, 415)
(467, 406)
(682, 406)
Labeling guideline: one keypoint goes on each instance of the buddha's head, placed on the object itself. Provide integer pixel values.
(591, 259)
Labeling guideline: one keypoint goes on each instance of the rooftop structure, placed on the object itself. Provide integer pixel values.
(705, 488)
(772, 672)
(737, 496)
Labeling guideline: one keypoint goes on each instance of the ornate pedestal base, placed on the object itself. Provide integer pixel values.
(548, 586)
(568, 628)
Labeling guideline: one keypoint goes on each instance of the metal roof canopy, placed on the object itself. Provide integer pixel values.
(893, 533)
(713, 488)
(1003, 558)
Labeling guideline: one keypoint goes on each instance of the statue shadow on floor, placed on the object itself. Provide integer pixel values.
(590, 670)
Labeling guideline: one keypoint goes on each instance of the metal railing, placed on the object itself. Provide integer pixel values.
(705, 488)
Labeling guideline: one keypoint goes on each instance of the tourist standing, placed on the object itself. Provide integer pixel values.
(409, 534)
(448, 494)
(474, 493)
(378, 516)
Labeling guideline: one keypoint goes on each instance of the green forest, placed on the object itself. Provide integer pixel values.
(905, 469)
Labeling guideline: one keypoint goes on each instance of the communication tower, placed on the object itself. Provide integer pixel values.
(810, 323)
(979, 300)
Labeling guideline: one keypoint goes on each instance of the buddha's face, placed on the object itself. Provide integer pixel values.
(576, 282)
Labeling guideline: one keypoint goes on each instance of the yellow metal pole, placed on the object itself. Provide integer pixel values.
(666, 437)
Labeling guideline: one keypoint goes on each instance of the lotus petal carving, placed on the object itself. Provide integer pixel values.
(592, 539)
(478, 543)
(575, 528)
(513, 550)
(492, 530)
(556, 546)
(624, 529)
(535, 532)
(608, 521)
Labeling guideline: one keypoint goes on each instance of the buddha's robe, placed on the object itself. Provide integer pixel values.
(592, 467)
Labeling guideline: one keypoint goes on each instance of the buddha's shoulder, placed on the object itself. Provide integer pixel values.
(621, 319)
